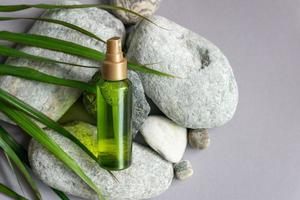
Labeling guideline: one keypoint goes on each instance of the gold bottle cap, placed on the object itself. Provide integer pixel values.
(115, 65)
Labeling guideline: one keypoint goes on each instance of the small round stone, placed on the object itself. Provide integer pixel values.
(183, 170)
(199, 138)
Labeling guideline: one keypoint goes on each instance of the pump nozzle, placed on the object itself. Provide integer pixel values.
(115, 65)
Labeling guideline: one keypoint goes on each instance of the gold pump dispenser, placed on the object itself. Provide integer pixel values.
(115, 65)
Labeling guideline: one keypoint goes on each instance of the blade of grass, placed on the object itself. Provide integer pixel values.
(10, 193)
(11, 52)
(38, 134)
(69, 48)
(22, 154)
(13, 156)
(14, 8)
(32, 74)
(55, 21)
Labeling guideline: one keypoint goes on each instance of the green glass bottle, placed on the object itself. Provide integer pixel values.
(114, 110)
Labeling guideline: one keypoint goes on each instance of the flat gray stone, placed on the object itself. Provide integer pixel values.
(165, 137)
(206, 95)
(140, 106)
(53, 100)
(148, 176)
(143, 7)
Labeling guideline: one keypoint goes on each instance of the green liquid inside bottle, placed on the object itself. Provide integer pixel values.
(114, 138)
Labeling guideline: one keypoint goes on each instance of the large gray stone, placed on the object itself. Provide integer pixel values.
(205, 95)
(53, 100)
(145, 8)
(148, 176)
(140, 106)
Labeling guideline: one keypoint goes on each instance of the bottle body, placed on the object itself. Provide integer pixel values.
(114, 134)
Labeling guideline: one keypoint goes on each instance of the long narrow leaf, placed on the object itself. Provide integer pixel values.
(22, 154)
(68, 47)
(20, 151)
(13, 156)
(14, 171)
(38, 134)
(13, 8)
(32, 74)
(42, 118)
(61, 195)
(55, 21)
(11, 52)
(9, 192)
(52, 44)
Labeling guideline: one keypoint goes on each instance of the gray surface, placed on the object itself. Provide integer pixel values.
(256, 155)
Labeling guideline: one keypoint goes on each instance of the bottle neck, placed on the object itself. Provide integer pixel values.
(115, 65)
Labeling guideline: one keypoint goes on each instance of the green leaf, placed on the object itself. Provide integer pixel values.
(9, 192)
(14, 171)
(13, 8)
(39, 135)
(32, 74)
(52, 44)
(144, 69)
(55, 21)
(22, 154)
(13, 156)
(69, 48)
(62, 195)
(20, 151)
(8, 51)
(42, 118)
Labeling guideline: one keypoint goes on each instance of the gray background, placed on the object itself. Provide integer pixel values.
(256, 155)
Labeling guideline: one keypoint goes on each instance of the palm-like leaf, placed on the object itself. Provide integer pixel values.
(13, 156)
(32, 74)
(52, 44)
(9, 192)
(42, 118)
(20, 151)
(14, 8)
(61, 195)
(14, 171)
(55, 21)
(38, 134)
(68, 47)
(22, 154)
(11, 52)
